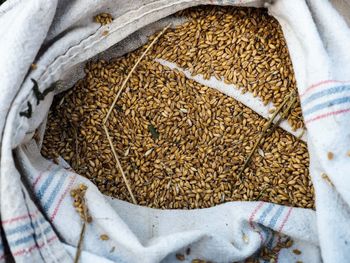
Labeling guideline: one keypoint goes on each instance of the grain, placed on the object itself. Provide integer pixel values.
(330, 155)
(180, 257)
(104, 237)
(271, 254)
(103, 18)
(296, 251)
(78, 196)
(181, 144)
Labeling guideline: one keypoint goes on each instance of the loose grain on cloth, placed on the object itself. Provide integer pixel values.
(38, 219)
(183, 145)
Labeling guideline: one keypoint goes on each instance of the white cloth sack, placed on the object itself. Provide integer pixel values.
(39, 223)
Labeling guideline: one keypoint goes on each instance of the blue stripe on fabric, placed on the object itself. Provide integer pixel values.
(326, 105)
(276, 216)
(270, 244)
(265, 231)
(54, 193)
(326, 92)
(26, 239)
(265, 213)
(47, 183)
(270, 235)
(25, 227)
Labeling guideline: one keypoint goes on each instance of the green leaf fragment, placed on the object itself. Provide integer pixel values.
(153, 131)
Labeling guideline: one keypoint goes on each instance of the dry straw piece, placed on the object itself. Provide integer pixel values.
(181, 144)
(111, 109)
(78, 195)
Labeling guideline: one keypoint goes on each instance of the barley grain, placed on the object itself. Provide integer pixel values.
(103, 18)
(180, 257)
(296, 251)
(330, 155)
(104, 237)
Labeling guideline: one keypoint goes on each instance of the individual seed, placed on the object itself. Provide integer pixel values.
(104, 237)
(296, 251)
(180, 257)
(330, 155)
(149, 152)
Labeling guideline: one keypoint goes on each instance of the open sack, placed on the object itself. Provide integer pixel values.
(39, 223)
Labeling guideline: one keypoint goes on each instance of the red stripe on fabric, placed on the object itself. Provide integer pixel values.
(285, 219)
(281, 228)
(320, 84)
(327, 115)
(40, 175)
(251, 218)
(30, 249)
(15, 219)
(62, 197)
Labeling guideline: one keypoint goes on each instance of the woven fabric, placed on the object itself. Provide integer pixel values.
(39, 223)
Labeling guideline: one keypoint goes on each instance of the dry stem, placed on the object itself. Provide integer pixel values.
(80, 243)
(119, 165)
(284, 114)
(263, 132)
(82, 232)
(112, 106)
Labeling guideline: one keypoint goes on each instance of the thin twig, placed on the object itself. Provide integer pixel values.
(261, 193)
(80, 243)
(113, 104)
(263, 132)
(82, 232)
(131, 71)
(76, 144)
(284, 114)
(119, 165)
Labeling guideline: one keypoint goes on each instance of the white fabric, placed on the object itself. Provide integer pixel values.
(38, 220)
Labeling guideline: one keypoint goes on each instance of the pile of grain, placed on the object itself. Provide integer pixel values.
(242, 46)
(103, 18)
(182, 144)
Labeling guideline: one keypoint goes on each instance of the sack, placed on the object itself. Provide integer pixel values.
(39, 223)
